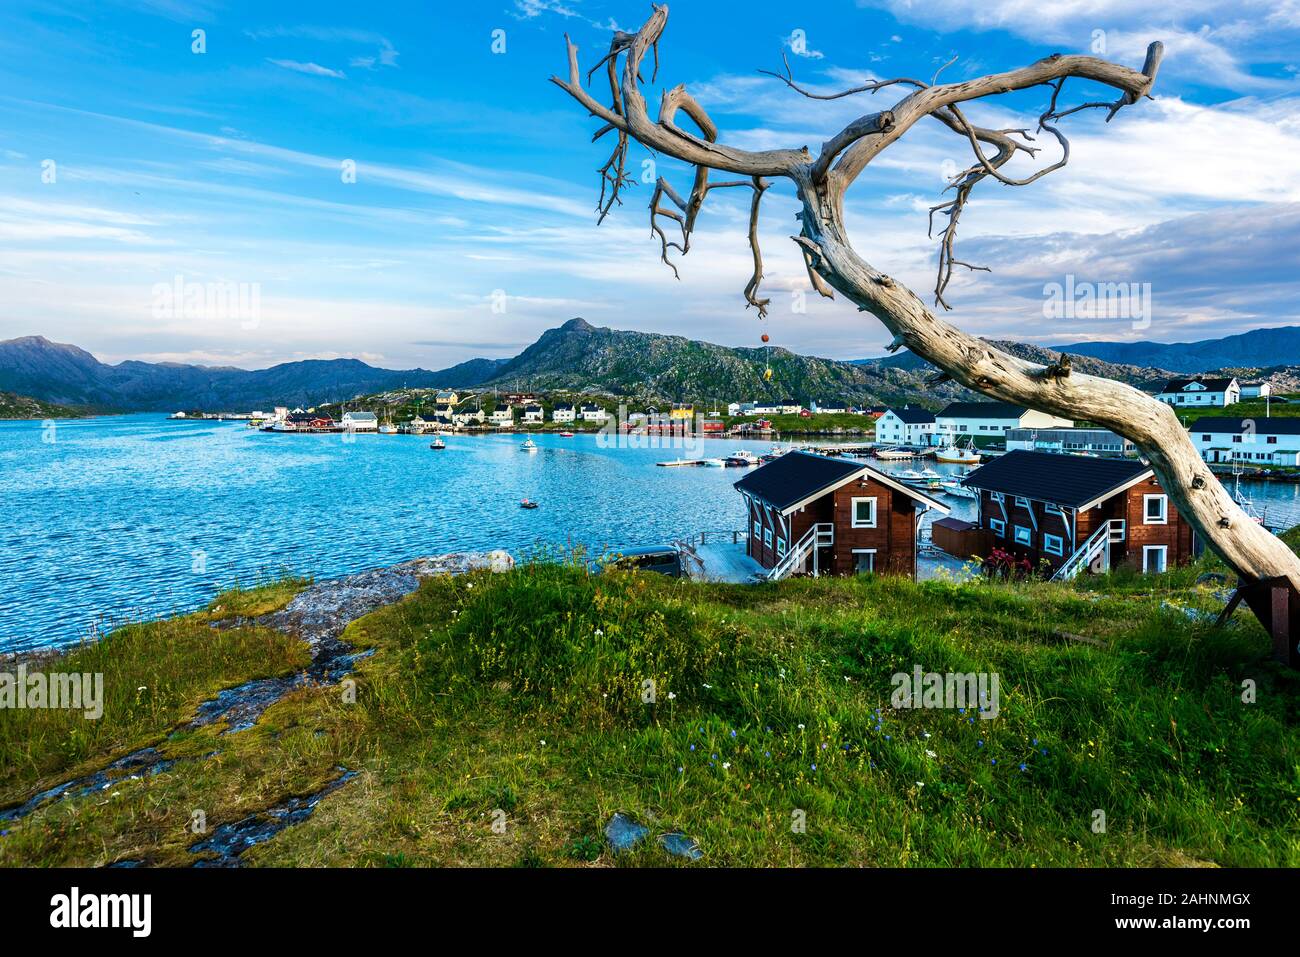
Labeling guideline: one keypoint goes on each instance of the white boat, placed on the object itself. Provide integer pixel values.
(529, 445)
(438, 444)
(716, 463)
(908, 476)
(892, 455)
(955, 456)
(956, 489)
(388, 429)
(742, 457)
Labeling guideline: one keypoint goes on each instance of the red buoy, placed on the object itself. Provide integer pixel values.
(765, 337)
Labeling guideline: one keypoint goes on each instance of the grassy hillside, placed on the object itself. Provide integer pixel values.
(523, 693)
(13, 406)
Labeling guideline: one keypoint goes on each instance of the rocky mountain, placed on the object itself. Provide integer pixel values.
(24, 407)
(1259, 348)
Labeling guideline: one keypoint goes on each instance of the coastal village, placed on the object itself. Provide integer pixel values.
(1050, 497)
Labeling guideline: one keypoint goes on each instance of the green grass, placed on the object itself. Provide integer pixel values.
(524, 693)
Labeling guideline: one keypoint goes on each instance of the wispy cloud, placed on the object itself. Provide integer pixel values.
(311, 69)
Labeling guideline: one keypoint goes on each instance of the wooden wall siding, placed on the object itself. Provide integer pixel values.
(1177, 534)
(893, 538)
(1129, 506)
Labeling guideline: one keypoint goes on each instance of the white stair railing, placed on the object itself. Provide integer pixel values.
(1097, 546)
(821, 535)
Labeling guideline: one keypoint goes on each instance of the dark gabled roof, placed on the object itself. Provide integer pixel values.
(532, 408)
(796, 476)
(563, 406)
(914, 416)
(1067, 480)
(1272, 425)
(983, 410)
(1211, 385)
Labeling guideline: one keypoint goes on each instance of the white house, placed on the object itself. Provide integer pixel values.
(446, 397)
(502, 415)
(833, 407)
(906, 426)
(1259, 441)
(562, 412)
(765, 408)
(533, 414)
(468, 417)
(1099, 441)
(360, 421)
(1202, 392)
(789, 407)
(733, 408)
(971, 419)
(1255, 390)
(593, 413)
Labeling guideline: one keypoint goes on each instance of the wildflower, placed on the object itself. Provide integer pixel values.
(543, 742)
(814, 767)
(801, 727)
(979, 743)
(710, 687)
(995, 760)
(672, 696)
(930, 754)
(733, 732)
(925, 734)
(692, 747)
(679, 769)
(142, 688)
(726, 765)
(713, 757)
(1023, 767)
(920, 784)
(767, 754)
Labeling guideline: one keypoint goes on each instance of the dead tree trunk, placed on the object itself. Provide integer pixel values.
(822, 181)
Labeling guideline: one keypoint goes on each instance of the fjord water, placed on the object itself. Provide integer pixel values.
(130, 517)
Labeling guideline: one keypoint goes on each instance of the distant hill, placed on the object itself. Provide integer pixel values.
(577, 356)
(24, 407)
(65, 374)
(1259, 348)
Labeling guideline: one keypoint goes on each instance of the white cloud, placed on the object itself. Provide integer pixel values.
(311, 69)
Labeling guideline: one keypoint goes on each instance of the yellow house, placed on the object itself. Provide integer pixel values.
(682, 410)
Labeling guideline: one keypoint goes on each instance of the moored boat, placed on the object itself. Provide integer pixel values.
(438, 444)
(952, 455)
(529, 445)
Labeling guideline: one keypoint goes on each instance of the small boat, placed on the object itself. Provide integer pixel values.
(438, 444)
(956, 489)
(741, 457)
(716, 463)
(388, 429)
(529, 446)
(527, 503)
(955, 456)
(566, 435)
(908, 476)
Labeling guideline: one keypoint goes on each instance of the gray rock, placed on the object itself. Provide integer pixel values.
(679, 845)
(623, 833)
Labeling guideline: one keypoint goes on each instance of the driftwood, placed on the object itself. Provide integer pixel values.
(821, 181)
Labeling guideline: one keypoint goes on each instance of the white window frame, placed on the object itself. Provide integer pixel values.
(853, 512)
(1022, 502)
(1028, 536)
(758, 528)
(1164, 509)
(1162, 550)
(998, 527)
(767, 537)
(1054, 545)
(864, 551)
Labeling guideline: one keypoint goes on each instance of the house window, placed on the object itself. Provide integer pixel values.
(864, 561)
(864, 513)
(1053, 544)
(1205, 438)
(780, 547)
(1272, 440)
(1022, 502)
(758, 527)
(998, 527)
(767, 537)
(1236, 438)
(1155, 509)
(1023, 535)
(1154, 558)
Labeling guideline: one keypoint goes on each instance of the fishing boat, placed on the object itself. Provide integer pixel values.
(438, 444)
(527, 503)
(529, 445)
(742, 458)
(952, 455)
(908, 476)
(566, 435)
(388, 429)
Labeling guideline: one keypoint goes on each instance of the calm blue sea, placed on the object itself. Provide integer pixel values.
(133, 517)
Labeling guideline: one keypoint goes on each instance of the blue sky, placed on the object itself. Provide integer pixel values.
(475, 177)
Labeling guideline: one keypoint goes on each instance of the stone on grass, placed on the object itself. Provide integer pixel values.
(679, 845)
(623, 833)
